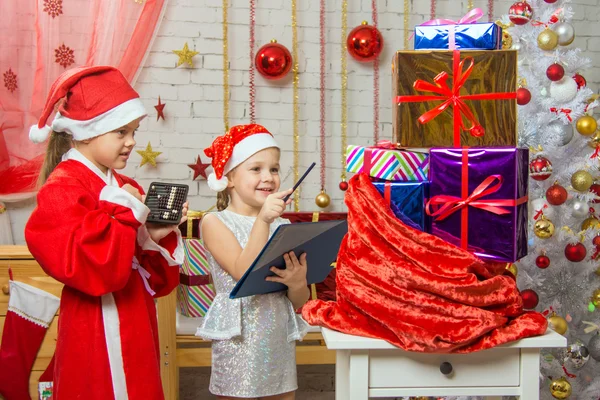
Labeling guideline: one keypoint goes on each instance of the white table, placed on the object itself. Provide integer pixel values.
(374, 368)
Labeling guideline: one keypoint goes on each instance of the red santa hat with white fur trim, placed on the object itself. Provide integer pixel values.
(96, 100)
(233, 148)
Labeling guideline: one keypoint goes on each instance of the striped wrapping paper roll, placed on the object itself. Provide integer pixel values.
(194, 301)
(391, 165)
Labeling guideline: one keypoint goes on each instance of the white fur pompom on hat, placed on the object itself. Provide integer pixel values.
(39, 135)
(218, 185)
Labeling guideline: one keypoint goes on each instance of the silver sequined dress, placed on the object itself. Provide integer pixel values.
(253, 338)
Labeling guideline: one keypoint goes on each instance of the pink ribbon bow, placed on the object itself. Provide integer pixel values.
(469, 18)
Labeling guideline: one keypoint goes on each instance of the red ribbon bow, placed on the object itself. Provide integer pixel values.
(540, 212)
(388, 145)
(452, 97)
(451, 204)
(566, 111)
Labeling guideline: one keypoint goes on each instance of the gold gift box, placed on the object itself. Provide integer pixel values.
(492, 72)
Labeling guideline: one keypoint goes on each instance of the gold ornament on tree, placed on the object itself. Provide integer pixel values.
(560, 388)
(543, 228)
(547, 40)
(582, 181)
(586, 125)
(512, 268)
(596, 298)
(558, 323)
(323, 200)
(594, 140)
(590, 222)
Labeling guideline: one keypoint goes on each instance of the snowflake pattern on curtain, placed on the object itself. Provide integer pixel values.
(10, 81)
(53, 7)
(64, 56)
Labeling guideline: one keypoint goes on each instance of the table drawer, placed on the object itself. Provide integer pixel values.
(42, 282)
(399, 369)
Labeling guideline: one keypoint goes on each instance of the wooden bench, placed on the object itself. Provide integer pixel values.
(176, 351)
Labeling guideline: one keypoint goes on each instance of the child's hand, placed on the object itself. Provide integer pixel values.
(159, 231)
(132, 191)
(274, 206)
(294, 274)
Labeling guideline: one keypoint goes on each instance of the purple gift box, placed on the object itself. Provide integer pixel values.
(479, 200)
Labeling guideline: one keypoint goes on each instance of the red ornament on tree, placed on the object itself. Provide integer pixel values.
(550, 1)
(555, 72)
(580, 80)
(575, 252)
(520, 13)
(595, 188)
(530, 299)
(364, 43)
(596, 241)
(556, 195)
(542, 261)
(523, 96)
(273, 60)
(540, 168)
(343, 186)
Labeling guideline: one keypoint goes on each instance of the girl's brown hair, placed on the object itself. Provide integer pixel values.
(58, 144)
(222, 200)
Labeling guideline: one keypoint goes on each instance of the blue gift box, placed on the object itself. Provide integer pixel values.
(407, 201)
(482, 36)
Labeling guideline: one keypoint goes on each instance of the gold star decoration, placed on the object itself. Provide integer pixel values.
(185, 55)
(148, 156)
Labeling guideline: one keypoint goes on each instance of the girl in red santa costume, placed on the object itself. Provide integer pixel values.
(253, 338)
(89, 232)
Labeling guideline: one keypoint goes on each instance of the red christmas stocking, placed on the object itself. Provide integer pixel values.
(30, 311)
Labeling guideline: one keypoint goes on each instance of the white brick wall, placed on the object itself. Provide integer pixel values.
(194, 97)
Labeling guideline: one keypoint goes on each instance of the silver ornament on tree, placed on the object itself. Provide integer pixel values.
(565, 32)
(579, 208)
(594, 346)
(576, 355)
(557, 134)
(563, 90)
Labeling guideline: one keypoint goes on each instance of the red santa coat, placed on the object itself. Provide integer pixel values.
(89, 234)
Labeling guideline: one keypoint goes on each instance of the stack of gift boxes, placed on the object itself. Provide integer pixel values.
(453, 168)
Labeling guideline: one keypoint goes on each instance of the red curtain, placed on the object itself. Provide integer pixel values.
(39, 39)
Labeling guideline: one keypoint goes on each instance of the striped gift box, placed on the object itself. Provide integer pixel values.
(389, 164)
(195, 294)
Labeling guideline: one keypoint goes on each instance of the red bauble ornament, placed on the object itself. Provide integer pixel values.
(542, 262)
(595, 188)
(520, 13)
(273, 60)
(575, 252)
(523, 96)
(556, 195)
(530, 299)
(580, 80)
(550, 1)
(555, 72)
(364, 43)
(540, 168)
(596, 241)
(343, 186)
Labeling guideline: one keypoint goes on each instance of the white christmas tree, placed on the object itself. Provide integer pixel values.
(556, 123)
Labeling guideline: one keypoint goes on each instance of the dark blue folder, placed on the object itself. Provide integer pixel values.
(319, 240)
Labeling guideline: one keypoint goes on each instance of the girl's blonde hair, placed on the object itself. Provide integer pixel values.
(58, 144)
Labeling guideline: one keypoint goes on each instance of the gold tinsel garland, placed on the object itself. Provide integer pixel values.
(225, 66)
(344, 88)
(296, 111)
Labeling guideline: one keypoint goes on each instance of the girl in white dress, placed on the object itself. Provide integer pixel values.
(253, 338)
